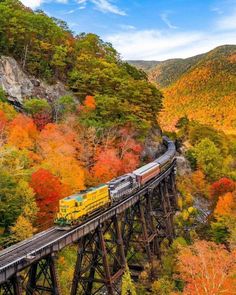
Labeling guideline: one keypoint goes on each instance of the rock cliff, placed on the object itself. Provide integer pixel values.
(18, 85)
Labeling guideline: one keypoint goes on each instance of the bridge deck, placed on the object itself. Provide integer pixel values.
(21, 255)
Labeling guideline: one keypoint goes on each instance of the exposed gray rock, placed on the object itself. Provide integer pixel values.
(13, 80)
(183, 166)
(153, 146)
(19, 85)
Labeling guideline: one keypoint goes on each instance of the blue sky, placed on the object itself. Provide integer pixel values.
(150, 29)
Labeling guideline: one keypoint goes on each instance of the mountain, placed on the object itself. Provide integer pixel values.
(205, 92)
(167, 72)
(202, 87)
(164, 73)
(145, 65)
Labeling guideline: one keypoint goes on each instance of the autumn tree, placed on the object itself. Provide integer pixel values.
(22, 132)
(107, 166)
(16, 197)
(225, 204)
(221, 187)
(22, 230)
(223, 226)
(48, 190)
(59, 139)
(207, 269)
(62, 166)
(59, 146)
(89, 102)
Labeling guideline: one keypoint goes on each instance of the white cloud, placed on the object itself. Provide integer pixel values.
(127, 27)
(217, 10)
(227, 22)
(107, 6)
(104, 6)
(161, 45)
(32, 3)
(164, 17)
(37, 3)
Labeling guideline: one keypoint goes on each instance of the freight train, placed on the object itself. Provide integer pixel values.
(74, 208)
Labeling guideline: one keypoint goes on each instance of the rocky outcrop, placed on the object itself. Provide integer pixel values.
(183, 166)
(18, 85)
(153, 146)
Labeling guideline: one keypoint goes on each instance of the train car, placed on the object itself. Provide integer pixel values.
(147, 172)
(165, 160)
(75, 207)
(122, 186)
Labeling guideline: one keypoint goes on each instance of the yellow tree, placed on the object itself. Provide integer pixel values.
(22, 229)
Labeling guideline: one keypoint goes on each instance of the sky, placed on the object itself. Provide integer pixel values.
(149, 29)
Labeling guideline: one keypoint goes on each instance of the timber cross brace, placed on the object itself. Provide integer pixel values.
(104, 252)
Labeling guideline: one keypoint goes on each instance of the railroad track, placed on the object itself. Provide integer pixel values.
(15, 258)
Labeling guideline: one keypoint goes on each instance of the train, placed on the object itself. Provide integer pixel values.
(75, 208)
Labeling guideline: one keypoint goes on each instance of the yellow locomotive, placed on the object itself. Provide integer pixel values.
(76, 206)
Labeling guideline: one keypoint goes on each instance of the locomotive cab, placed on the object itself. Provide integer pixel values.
(70, 209)
(73, 208)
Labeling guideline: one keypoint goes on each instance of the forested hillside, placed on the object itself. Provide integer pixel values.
(46, 48)
(206, 92)
(166, 72)
(145, 65)
(202, 87)
(169, 71)
(98, 131)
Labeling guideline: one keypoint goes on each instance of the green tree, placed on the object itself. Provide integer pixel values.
(34, 106)
(62, 106)
(209, 158)
(3, 95)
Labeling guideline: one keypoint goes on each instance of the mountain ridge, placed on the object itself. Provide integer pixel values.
(206, 92)
(166, 72)
(201, 87)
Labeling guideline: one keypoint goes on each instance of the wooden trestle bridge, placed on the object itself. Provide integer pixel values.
(106, 243)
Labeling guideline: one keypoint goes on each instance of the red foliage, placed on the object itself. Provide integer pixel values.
(49, 191)
(108, 165)
(221, 187)
(42, 119)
